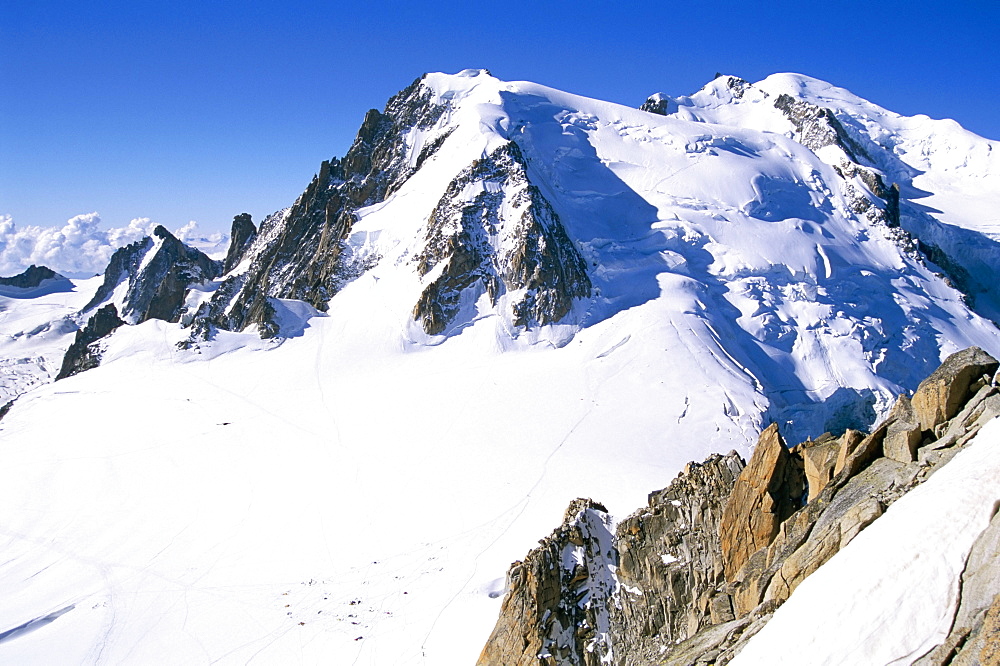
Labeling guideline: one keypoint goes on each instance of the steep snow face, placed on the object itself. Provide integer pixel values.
(353, 489)
(947, 176)
(776, 249)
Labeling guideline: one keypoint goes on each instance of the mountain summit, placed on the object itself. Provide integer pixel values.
(785, 219)
(330, 443)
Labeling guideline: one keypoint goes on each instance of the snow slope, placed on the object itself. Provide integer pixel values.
(36, 328)
(751, 231)
(354, 492)
(948, 168)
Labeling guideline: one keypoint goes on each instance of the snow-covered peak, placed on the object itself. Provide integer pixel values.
(502, 293)
(767, 219)
(455, 87)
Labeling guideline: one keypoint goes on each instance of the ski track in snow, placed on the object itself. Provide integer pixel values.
(523, 505)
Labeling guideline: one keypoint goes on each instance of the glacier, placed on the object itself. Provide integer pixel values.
(336, 483)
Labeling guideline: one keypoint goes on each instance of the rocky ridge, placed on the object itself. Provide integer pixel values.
(818, 128)
(703, 567)
(86, 350)
(152, 276)
(241, 236)
(560, 600)
(878, 183)
(506, 240)
(503, 238)
(657, 103)
(148, 279)
(298, 253)
(31, 277)
(491, 232)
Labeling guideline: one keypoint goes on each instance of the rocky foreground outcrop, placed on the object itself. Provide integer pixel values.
(557, 610)
(695, 574)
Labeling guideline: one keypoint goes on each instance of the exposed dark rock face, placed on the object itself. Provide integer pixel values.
(954, 272)
(557, 606)
(505, 237)
(816, 128)
(298, 253)
(242, 235)
(918, 234)
(737, 86)
(85, 352)
(657, 103)
(124, 264)
(157, 274)
(157, 282)
(677, 599)
(30, 278)
(671, 565)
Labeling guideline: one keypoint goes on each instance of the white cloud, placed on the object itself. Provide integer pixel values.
(189, 230)
(78, 247)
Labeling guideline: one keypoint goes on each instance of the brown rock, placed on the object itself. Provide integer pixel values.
(848, 444)
(670, 565)
(862, 454)
(903, 435)
(820, 547)
(941, 396)
(989, 653)
(819, 460)
(542, 620)
(767, 492)
(703, 567)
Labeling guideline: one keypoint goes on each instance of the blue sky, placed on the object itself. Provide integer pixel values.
(198, 111)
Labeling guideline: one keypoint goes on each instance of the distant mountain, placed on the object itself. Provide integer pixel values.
(32, 277)
(502, 296)
(789, 213)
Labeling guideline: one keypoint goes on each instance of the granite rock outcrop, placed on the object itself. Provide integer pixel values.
(700, 570)
(558, 601)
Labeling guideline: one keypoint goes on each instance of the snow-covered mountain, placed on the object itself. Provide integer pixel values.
(330, 445)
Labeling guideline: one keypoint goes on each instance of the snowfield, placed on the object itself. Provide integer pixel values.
(354, 492)
(206, 506)
(36, 327)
